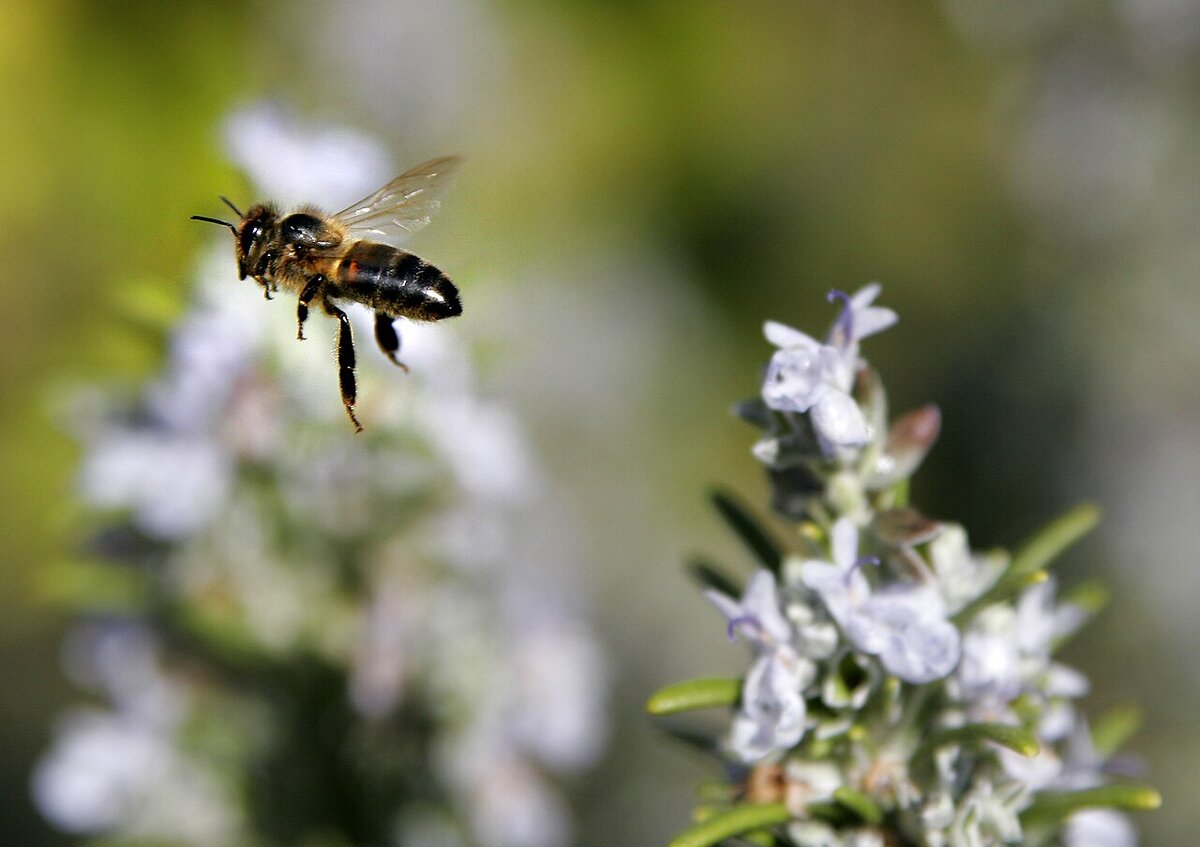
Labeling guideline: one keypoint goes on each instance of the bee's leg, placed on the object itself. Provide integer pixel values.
(306, 296)
(260, 273)
(389, 341)
(345, 358)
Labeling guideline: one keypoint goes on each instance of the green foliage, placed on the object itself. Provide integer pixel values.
(750, 529)
(694, 694)
(732, 822)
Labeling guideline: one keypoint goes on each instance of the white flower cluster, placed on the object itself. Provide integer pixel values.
(902, 687)
(336, 634)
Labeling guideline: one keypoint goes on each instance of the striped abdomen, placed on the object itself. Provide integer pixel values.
(396, 283)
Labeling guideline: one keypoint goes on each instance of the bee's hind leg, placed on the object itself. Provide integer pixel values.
(306, 296)
(345, 359)
(389, 341)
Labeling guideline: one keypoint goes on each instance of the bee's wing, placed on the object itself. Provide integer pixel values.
(403, 206)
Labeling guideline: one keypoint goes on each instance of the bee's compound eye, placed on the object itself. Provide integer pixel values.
(251, 234)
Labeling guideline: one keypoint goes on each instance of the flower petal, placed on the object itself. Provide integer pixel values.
(835, 588)
(762, 603)
(922, 653)
(838, 421)
(844, 543)
(784, 336)
(795, 380)
(773, 716)
(907, 627)
(873, 320)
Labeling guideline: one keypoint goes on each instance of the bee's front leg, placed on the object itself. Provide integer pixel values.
(261, 271)
(310, 291)
(345, 357)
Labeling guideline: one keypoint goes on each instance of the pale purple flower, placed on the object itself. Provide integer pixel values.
(859, 318)
(805, 375)
(904, 624)
(757, 615)
(773, 716)
(1040, 622)
(1006, 653)
(961, 574)
(990, 669)
(1099, 828)
(801, 371)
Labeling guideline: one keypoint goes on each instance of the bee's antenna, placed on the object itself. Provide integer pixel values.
(229, 203)
(232, 228)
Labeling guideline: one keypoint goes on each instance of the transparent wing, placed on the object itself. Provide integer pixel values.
(403, 206)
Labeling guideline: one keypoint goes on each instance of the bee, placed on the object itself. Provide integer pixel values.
(353, 256)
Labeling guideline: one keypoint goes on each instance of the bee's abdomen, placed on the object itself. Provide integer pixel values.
(397, 283)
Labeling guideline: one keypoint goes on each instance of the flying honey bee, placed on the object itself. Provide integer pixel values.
(355, 256)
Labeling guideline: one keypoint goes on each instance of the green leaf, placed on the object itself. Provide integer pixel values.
(1028, 563)
(710, 575)
(1117, 726)
(697, 739)
(1015, 738)
(832, 813)
(1054, 538)
(860, 804)
(1051, 807)
(754, 412)
(694, 694)
(736, 821)
(760, 839)
(754, 535)
(1091, 596)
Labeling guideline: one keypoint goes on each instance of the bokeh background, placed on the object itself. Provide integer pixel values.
(646, 183)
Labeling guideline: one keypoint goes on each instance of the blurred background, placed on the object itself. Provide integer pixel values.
(645, 184)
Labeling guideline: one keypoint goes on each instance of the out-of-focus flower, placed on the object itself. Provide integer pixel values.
(339, 614)
(121, 769)
(112, 772)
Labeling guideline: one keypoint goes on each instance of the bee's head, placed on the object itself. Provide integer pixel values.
(251, 236)
(248, 235)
